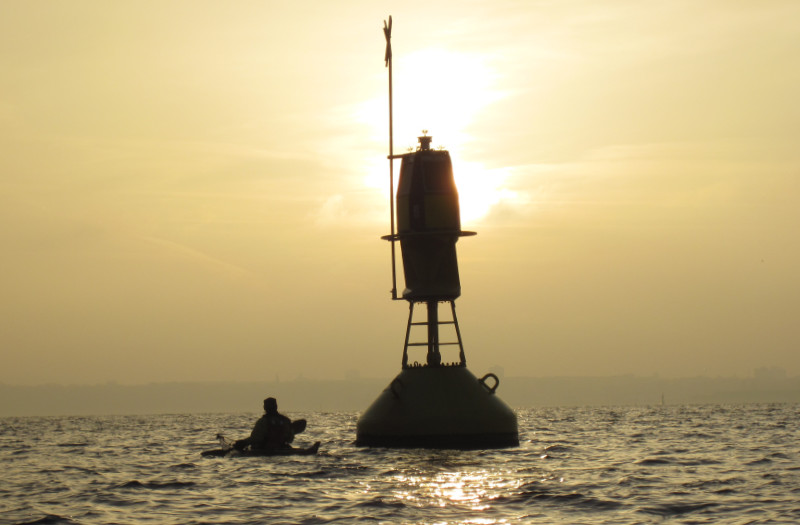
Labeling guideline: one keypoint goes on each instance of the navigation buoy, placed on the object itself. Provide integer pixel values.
(433, 402)
(438, 407)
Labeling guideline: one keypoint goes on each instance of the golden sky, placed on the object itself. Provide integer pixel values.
(195, 190)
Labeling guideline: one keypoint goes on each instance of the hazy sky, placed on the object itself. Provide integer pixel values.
(195, 190)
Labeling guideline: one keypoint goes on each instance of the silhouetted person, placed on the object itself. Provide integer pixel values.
(272, 430)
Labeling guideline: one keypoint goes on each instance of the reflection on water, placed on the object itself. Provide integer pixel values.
(470, 489)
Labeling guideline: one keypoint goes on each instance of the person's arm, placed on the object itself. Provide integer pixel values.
(257, 435)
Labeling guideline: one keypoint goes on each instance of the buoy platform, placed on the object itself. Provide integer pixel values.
(439, 407)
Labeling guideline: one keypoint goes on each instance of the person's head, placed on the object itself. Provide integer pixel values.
(270, 405)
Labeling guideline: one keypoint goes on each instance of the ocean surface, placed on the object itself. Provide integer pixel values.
(599, 465)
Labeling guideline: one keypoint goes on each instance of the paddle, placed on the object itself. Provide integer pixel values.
(218, 452)
(298, 425)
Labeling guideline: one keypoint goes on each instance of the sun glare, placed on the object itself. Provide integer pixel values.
(443, 92)
(479, 189)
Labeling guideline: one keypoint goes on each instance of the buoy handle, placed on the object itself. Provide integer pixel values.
(492, 388)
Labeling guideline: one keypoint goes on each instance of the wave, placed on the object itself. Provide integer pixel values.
(677, 509)
(49, 519)
(574, 500)
(157, 485)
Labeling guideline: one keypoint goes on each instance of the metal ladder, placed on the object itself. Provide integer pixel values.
(434, 357)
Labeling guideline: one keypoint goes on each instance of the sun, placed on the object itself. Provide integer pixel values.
(444, 92)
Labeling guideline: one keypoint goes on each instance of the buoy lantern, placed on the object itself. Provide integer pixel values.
(428, 224)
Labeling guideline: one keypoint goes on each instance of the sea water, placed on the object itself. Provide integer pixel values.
(673, 464)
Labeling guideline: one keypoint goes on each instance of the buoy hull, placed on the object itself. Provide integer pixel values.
(438, 407)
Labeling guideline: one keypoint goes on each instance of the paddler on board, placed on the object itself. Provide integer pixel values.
(272, 431)
(271, 436)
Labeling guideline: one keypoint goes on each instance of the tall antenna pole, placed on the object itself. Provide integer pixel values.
(387, 32)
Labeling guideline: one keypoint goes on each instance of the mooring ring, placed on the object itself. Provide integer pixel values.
(491, 389)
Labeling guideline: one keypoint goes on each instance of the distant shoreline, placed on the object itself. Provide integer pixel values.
(357, 394)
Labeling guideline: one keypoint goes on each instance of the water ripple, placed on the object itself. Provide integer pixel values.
(607, 465)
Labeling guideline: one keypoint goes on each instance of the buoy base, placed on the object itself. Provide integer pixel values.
(438, 407)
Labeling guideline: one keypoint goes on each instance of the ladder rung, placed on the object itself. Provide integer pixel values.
(426, 344)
